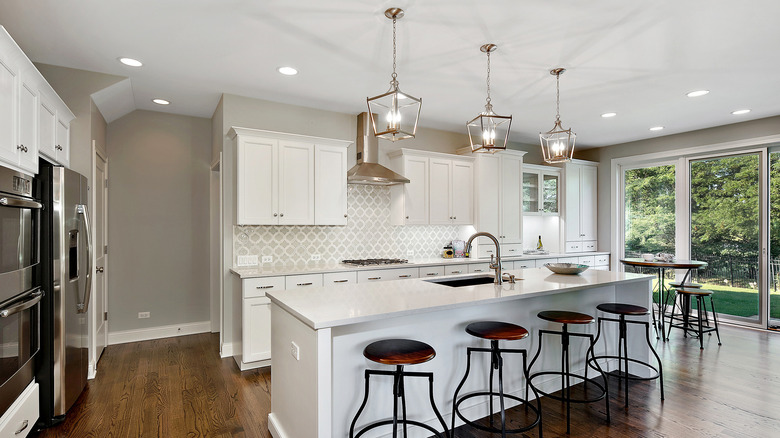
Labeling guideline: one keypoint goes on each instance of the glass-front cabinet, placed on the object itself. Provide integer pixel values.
(541, 188)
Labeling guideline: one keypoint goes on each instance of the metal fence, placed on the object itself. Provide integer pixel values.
(730, 271)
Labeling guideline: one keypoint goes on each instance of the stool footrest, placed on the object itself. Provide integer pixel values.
(572, 400)
(632, 360)
(495, 394)
(399, 422)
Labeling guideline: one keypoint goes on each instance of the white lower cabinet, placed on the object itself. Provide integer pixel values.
(300, 281)
(431, 271)
(456, 269)
(476, 268)
(339, 278)
(21, 416)
(256, 329)
(387, 274)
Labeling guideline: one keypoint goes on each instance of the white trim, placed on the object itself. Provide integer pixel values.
(91, 370)
(698, 150)
(275, 428)
(166, 331)
(226, 350)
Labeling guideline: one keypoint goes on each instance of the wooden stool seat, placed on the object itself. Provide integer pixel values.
(699, 292)
(678, 285)
(565, 317)
(622, 309)
(495, 330)
(399, 352)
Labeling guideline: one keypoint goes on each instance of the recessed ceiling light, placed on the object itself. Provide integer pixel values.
(159, 101)
(287, 71)
(656, 128)
(608, 115)
(742, 111)
(697, 93)
(131, 62)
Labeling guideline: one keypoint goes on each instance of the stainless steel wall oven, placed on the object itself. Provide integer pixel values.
(20, 296)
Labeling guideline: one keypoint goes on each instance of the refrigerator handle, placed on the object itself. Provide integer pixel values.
(82, 307)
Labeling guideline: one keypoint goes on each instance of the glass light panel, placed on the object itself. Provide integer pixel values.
(394, 115)
(557, 145)
(489, 132)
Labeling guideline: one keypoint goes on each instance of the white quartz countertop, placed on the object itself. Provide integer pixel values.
(356, 303)
(315, 268)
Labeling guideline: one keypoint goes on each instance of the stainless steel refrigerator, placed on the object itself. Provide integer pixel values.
(66, 277)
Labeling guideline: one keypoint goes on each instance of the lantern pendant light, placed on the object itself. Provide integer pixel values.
(557, 143)
(394, 114)
(489, 132)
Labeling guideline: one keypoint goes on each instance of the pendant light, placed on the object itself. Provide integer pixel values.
(394, 114)
(489, 132)
(557, 143)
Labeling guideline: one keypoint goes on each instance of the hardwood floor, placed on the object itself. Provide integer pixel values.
(179, 387)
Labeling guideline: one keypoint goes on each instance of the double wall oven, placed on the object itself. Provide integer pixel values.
(20, 296)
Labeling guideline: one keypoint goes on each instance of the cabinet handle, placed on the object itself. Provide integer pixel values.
(430, 274)
(24, 426)
(304, 284)
(512, 250)
(404, 276)
(478, 270)
(456, 272)
(340, 281)
(264, 287)
(374, 278)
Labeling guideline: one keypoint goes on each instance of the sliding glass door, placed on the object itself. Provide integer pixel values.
(725, 232)
(774, 240)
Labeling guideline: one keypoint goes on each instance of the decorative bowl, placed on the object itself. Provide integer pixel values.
(566, 268)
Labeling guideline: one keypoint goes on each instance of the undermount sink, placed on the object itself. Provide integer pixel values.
(465, 281)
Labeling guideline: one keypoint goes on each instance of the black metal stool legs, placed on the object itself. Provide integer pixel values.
(496, 363)
(399, 392)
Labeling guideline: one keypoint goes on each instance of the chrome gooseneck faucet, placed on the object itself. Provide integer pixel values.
(493, 265)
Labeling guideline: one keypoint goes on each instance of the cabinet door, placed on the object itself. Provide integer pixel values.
(416, 191)
(8, 99)
(28, 128)
(258, 181)
(296, 183)
(462, 194)
(588, 202)
(330, 189)
(530, 192)
(488, 197)
(440, 174)
(511, 197)
(549, 193)
(62, 138)
(47, 121)
(256, 329)
(572, 225)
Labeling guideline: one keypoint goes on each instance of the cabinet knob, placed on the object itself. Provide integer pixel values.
(454, 217)
(407, 217)
(281, 215)
(275, 215)
(99, 269)
(345, 215)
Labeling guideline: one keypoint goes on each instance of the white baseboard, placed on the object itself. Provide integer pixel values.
(91, 371)
(227, 350)
(275, 428)
(166, 331)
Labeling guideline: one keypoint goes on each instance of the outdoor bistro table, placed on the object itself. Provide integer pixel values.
(663, 291)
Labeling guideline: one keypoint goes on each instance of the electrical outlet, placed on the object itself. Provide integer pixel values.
(268, 259)
(143, 315)
(295, 351)
(315, 257)
(247, 260)
(410, 253)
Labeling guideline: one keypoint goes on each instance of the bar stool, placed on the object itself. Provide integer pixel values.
(398, 352)
(684, 323)
(496, 331)
(623, 310)
(565, 318)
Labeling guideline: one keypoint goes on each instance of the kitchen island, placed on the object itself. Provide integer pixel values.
(319, 335)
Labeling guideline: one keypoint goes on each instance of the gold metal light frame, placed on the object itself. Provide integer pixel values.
(394, 114)
(489, 132)
(557, 143)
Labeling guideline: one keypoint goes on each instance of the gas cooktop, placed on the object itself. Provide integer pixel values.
(370, 262)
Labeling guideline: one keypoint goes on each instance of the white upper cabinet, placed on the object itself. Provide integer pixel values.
(580, 205)
(440, 191)
(21, 93)
(285, 179)
(330, 185)
(541, 188)
(511, 223)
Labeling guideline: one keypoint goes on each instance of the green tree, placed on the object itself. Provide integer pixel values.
(650, 209)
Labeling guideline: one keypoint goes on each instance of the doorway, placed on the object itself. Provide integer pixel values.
(100, 213)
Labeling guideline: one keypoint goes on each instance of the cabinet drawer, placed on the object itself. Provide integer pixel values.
(20, 418)
(431, 271)
(522, 264)
(568, 260)
(257, 287)
(456, 269)
(479, 268)
(574, 247)
(590, 245)
(602, 260)
(511, 250)
(387, 274)
(540, 262)
(306, 280)
(587, 260)
(339, 278)
(485, 251)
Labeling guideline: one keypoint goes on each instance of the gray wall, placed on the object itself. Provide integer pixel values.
(158, 214)
(674, 144)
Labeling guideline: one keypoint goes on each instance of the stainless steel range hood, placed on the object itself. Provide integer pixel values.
(368, 170)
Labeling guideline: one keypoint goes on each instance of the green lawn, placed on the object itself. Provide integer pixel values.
(738, 301)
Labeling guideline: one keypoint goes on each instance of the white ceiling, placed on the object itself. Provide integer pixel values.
(636, 58)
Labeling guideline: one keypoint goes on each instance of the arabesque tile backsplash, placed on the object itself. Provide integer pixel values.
(368, 233)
